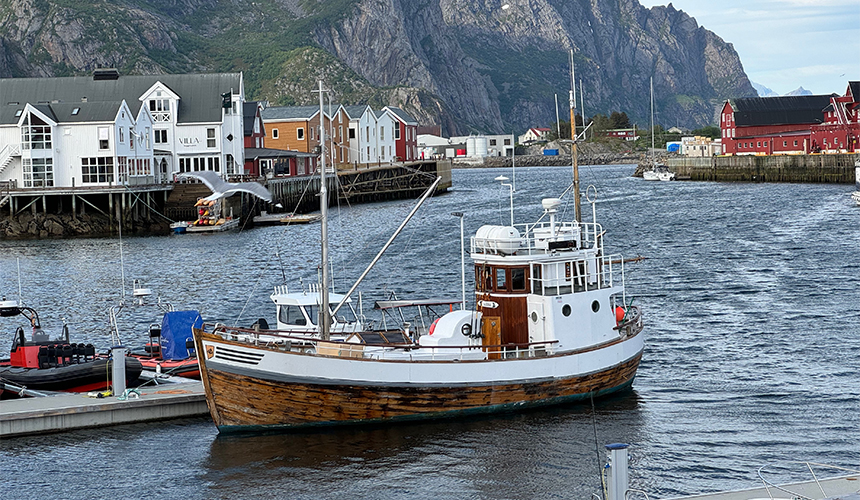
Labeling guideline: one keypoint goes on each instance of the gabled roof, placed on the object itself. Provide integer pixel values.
(200, 93)
(854, 89)
(785, 110)
(249, 114)
(62, 112)
(356, 111)
(290, 113)
(401, 115)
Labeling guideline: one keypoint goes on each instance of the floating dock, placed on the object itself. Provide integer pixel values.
(22, 417)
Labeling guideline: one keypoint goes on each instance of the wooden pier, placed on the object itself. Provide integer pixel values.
(828, 168)
(21, 417)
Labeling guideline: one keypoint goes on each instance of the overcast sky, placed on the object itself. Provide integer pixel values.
(786, 44)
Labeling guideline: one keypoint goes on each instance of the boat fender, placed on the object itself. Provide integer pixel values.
(466, 330)
(433, 326)
(619, 315)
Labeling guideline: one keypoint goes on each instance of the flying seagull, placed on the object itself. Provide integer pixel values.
(221, 188)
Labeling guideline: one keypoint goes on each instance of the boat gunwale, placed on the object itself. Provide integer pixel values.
(218, 337)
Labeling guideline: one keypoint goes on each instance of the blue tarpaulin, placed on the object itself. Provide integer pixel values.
(175, 331)
(550, 152)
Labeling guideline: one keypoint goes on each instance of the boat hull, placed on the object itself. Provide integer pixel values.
(243, 399)
(78, 377)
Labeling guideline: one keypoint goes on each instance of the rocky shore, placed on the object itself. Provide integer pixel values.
(27, 225)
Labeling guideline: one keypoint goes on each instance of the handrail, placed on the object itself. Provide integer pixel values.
(220, 329)
(768, 484)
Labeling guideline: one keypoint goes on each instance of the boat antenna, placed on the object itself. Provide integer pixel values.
(121, 262)
(20, 298)
(462, 259)
(651, 153)
(576, 207)
(325, 313)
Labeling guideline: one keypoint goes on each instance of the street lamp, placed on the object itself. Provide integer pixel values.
(503, 179)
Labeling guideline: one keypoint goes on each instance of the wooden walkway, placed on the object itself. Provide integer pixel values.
(22, 417)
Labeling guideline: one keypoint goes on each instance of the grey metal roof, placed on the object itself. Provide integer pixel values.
(249, 113)
(402, 115)
(290, 112)
(200, 94)
(786, 110)
(355, 111)
(854, 88)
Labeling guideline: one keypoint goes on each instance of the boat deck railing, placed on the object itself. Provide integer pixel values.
(809, 466)
(543, 237)
(341, 347)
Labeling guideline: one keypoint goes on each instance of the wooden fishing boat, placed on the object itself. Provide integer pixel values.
(551, 324)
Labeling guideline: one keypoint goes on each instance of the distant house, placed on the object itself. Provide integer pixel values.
(628, 134)
(292, 127)
(699, 147)
(405, 134)
(792, 124)
(534, 135)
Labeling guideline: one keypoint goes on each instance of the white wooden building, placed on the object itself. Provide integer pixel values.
(119, 130)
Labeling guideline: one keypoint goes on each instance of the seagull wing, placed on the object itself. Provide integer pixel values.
(212, 180)
(221, 188)
(254, 188)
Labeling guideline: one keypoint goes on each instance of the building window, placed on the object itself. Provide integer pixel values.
(300, 133)
(230, 166)
(99, 169)
(507, 142)
(785, 144)
(795, 143)
(160, 136)
(382, 133)
(210, 137)
(397, 132)
(201, 163)
(311, 132)
(275, 133)
(38, 172)
(351, 133)
(492, 142)
(340, 132)
(122, 168)
(146, 138)
(104, 138)
(121, 135)
(759, 144)
(130, 138)
(35, 134)
(366, 133)
(160, 109)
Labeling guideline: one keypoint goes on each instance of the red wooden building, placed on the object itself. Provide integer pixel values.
(791, 124)
(405, 134)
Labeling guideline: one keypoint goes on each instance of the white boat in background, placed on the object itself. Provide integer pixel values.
(658, 172)
(551, 325)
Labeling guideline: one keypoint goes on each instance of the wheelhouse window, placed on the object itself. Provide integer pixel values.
(38, 172)
(292, 315)
(518, 279)
(500, 279)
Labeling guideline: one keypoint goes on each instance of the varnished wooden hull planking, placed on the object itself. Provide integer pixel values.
(239, 402)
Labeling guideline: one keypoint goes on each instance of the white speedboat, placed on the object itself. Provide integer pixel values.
(551, 324)
(658, 173)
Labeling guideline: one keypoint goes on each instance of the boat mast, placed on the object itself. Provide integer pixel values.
(325, 313)
(651, 153)
(572, 95)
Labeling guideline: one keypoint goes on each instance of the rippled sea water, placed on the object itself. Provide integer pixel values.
(750, 294)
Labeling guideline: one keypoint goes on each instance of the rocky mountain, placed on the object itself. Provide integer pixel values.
(470, 65)
(800, 91)
(763, 91)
